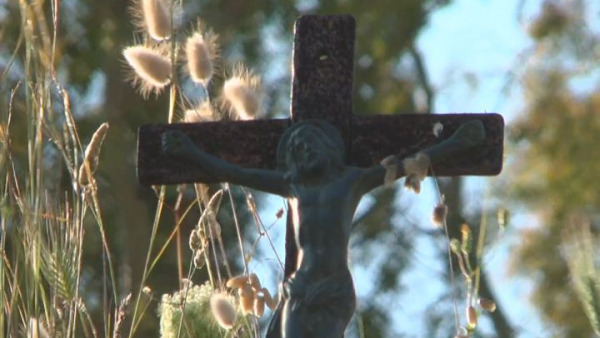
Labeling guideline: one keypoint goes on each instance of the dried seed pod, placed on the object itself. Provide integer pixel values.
(487, 304)
(412, 182)
(467, 238)
(237, 281)
(439, 214)
(415, 169)
(223, 310)
(247, 296)
(259, 305)
(269, 300)
(471, 317)
(195, 241)
(92, 154)
(254, 282)
(199, 259)
(215, 226)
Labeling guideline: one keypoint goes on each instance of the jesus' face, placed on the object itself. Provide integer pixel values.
(308, 154)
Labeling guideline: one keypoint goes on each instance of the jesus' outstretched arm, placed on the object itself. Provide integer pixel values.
(180, 147)
(469, 135)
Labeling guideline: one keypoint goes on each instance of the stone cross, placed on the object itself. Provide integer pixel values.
(321, 90)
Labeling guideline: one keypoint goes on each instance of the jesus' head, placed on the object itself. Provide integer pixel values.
(311, 149)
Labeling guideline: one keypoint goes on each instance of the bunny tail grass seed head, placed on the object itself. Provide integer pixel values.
(152, 69)
(223, 310)
(241, 94)
(155, 18)
(204, 112)
(201, 51)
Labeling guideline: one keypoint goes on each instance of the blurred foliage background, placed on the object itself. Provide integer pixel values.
(552, 155)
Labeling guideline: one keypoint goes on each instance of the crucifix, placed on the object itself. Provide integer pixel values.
(322, 159)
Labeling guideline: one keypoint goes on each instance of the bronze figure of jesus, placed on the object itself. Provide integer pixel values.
(323, 192)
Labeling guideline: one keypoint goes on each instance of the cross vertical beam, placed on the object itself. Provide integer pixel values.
(323, 69)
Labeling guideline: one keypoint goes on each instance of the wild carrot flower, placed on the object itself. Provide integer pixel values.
(241, 94)
(151, 67)
(201, 52)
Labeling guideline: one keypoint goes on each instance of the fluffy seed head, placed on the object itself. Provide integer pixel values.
(439, 214)
(204, 112)
(487, 304)
(157, 19)
(223, 310)
(241, 94)
(201, 51)
(151, 68)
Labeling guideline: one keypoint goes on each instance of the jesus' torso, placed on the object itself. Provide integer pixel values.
(322, 217)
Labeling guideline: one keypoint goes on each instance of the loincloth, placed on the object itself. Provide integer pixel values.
(333, 295)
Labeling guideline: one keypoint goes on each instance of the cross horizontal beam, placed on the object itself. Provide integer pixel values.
(252, 144)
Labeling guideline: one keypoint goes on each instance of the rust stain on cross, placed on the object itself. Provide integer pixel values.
(321, 89)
